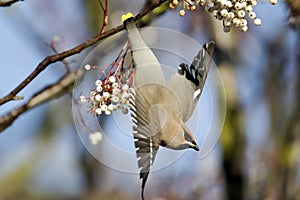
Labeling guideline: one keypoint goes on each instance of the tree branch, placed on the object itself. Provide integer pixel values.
(59, 57)
(8, 3)
(44, 95)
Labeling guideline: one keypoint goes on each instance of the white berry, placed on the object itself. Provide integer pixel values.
(107, 112)
(115, 85)
(112, 79)
(98, 111)
(241, 14)
(181, 13)
(87, 67)
(252, 15)
(257, 21)
(244, 28)
(106, 95)
(111, 107)
(99, 88)
(104, 107)
(98, 82)
(82, 99)
(224, 12)
(98, 97)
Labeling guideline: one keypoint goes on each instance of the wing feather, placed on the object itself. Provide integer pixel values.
(188, 82)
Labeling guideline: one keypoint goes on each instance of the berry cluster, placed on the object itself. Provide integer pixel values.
(109, 95)
(111, 91)
(231, 12)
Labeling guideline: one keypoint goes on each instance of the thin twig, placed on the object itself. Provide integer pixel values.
(105, 14)
(59, 57)
(8, 3)
(46, 94)
(52, 45)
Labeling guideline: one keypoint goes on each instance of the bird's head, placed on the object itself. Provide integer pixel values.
(178, 136)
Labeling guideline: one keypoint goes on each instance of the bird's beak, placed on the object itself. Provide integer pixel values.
(194, 146)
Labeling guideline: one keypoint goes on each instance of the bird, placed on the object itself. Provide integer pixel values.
(160, 108)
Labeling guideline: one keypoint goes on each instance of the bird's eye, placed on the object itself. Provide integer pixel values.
(187, 137)
(163, 143)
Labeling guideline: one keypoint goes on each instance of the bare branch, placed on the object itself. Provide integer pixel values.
(46, 94)
(59, 57)
(8, 3)
(105, 11)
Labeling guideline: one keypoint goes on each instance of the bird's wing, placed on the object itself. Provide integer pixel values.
(189, 81)
(148, 69)
(145, 130)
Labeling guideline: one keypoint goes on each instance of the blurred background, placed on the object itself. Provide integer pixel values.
(257, 155)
